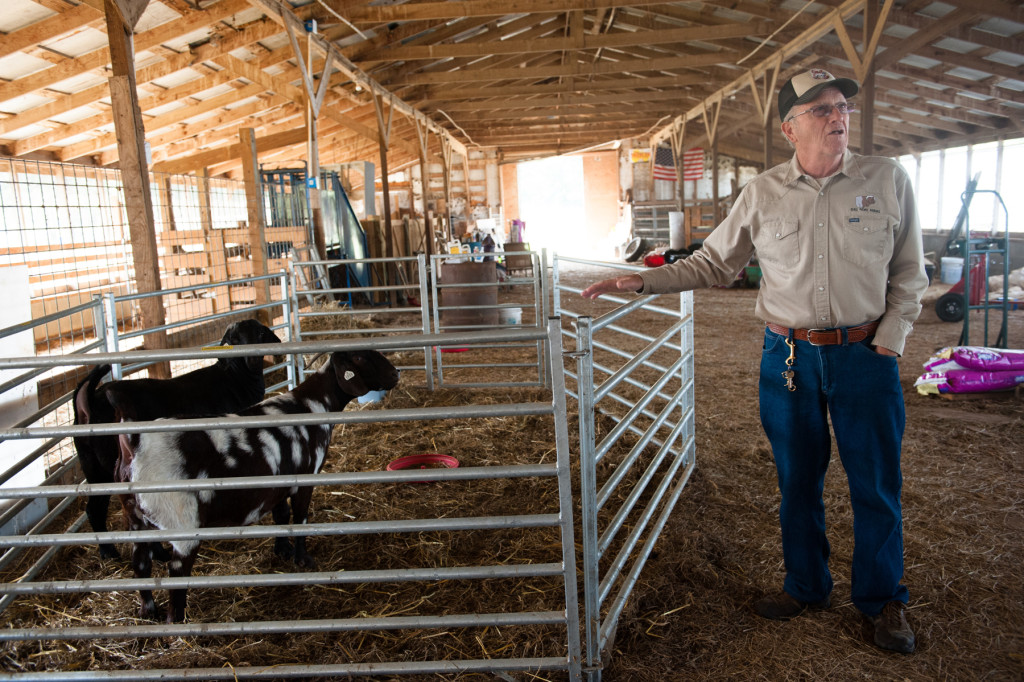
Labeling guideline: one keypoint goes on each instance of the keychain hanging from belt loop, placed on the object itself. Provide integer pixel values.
(790, 361)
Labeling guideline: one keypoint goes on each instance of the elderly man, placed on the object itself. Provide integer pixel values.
(839, 245)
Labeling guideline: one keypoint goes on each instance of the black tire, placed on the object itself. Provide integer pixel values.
(950, 307)
(635, 249)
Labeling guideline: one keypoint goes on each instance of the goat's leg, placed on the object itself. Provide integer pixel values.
(96, 509)
(180, 566)
(142, 564)
(300, 514)
(98, 467)
(282, 545)
(159, 552)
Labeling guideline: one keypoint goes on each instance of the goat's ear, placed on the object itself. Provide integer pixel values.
(229, 334)
(349, 373)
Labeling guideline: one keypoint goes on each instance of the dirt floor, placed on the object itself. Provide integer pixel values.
(963, 499)
(690, 616)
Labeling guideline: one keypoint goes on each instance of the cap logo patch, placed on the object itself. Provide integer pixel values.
(821, 75)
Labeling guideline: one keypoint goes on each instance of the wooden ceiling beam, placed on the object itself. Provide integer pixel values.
(921, 38)
(585, 42)
(172, 64)
(69, 19)
(623, 85)
(561, 100)
(213, 157)
(793, 48)
(476, 8)
(549, 112)
(523, 28)
(283, 15)
(995, 8)
(93, 123)
(71, 67)
(602, 67)
(157, 122)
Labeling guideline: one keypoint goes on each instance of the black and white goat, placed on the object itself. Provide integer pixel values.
(229, 385)
(234, 452)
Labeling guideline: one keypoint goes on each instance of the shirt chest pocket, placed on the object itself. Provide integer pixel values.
(777, 241)
(867, 242)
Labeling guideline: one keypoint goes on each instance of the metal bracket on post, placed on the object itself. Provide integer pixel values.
(110, 335)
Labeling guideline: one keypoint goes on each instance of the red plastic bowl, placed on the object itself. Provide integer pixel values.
(422, 461)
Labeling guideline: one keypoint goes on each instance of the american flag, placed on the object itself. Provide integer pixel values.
(693, 164)
(664, 166)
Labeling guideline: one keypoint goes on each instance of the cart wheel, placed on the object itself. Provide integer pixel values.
(950, 307)
(635, 249)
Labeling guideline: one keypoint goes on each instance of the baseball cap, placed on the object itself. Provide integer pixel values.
(805, 86)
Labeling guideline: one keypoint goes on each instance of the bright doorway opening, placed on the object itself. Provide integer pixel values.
(551, 202)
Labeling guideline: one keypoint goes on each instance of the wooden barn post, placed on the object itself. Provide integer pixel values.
(711, 127)
(257, 226)
(763, 102)
(676, 137)
(423, 136)
(383, 136)
(216, 261)
(446, 162)
(131, 151)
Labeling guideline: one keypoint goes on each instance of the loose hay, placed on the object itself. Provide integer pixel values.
(690, 615)
(355, 447)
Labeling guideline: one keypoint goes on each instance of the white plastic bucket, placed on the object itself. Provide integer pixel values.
(676, 231)
(952, 270)
(511, 316)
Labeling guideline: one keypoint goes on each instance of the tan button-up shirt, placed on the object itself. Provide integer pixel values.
(837, 252)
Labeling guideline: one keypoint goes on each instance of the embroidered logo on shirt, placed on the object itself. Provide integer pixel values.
(865, 200)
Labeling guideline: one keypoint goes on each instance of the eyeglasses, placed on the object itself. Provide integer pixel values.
(823, 110)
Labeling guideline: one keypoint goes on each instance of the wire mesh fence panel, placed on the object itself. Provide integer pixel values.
(66, 225)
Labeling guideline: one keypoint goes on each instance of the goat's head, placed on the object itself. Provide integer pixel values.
(359, 372)
(249, 332)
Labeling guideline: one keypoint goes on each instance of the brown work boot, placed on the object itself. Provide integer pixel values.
(891, 630)
(783, 606)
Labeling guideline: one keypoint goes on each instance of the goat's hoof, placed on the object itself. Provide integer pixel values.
(109, 552)
(148, 612)
(305, 561)
(284, 549)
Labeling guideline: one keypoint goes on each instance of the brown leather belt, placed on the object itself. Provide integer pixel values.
(829, 337)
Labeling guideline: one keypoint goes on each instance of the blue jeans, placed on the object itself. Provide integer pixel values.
(860, 391)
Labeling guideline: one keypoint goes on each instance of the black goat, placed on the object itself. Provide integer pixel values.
(234, 452)
(229, 385)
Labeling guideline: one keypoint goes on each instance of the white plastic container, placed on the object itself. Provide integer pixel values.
(952, 270)
(676, 230)
(511, 316)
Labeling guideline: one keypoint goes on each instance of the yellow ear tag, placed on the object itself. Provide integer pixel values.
(349, 374)
(217, 347)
